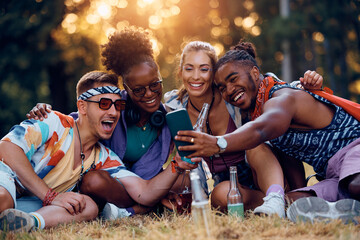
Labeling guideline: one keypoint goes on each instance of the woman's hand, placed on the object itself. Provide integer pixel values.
(311, 80)
(204, 145)
(185, 165)
(39, 112)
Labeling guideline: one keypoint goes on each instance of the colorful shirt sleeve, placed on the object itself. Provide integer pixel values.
(31, 135)
(110, 162)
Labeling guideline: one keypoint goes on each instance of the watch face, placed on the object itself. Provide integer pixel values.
(221, 142)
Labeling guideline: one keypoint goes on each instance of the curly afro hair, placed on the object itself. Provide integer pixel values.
(126, 49)
(243, 52)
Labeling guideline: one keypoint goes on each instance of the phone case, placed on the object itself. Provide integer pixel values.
(179, 120)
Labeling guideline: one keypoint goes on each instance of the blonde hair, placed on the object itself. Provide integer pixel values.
(195, 46)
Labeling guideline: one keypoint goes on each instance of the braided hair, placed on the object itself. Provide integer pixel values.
(243, 52)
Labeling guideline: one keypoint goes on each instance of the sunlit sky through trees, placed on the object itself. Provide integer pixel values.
(48, 45)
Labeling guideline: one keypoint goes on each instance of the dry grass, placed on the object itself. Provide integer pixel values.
(173, 226)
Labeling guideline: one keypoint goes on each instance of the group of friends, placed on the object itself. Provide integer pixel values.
(108, 158)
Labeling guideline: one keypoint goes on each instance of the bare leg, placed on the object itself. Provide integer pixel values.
(266, 167)
(101, 187)
(251, 198)
(293, 170)
(293, 196)
(353, 185)
(54, 215)
(6, 201)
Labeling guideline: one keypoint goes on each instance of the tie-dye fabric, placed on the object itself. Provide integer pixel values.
(45, 144)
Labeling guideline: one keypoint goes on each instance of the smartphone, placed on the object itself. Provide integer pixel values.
(179, 120)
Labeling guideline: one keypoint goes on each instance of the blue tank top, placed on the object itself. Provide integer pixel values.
(317, 146)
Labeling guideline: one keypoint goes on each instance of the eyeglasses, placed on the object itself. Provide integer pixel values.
(140, 91)
(106, 103)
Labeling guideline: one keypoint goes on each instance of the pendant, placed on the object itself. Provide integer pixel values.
(142, 145)
(144, 128)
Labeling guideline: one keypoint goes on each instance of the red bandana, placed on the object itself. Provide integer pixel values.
(263, 95)
(267, 83)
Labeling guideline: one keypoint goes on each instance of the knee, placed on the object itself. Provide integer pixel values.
(6, 201)
(94, 182)
(219, 196)
(91, 210)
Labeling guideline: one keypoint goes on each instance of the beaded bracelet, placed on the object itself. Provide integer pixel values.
(49, 197)
(175, 167)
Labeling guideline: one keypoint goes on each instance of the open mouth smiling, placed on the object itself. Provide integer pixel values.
(196, 84)
(150, 101)
(238, 95)
(107, 124)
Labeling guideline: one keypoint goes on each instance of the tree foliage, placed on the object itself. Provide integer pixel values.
(46, 46)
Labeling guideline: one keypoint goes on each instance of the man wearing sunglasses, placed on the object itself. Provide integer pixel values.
(41, 162)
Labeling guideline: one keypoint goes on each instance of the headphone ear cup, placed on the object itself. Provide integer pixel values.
(157, 119)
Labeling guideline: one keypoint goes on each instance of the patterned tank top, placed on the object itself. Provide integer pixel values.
(317, 146)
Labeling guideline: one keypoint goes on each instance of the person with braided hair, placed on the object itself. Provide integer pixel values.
(307, 126)
(195, 70)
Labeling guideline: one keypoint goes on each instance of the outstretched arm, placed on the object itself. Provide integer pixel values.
(149, 192)
(277, 115)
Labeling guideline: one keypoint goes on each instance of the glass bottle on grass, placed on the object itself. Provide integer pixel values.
(200, 209)
(234, 200)
(184, 194)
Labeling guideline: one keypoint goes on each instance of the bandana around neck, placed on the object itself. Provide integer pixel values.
(99, 90)
(263, 95)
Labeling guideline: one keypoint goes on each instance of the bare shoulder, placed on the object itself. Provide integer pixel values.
(308, 112)
(294, 94)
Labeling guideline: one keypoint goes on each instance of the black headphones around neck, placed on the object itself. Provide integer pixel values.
(132, 115)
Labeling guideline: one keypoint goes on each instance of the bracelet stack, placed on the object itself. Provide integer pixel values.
(49, 197)
(175, 167)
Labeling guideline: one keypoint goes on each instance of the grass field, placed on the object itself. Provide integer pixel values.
(173, 226)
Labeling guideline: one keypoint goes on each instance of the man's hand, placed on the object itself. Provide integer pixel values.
(204, 144)
(39, 112)
(73, 202)
(311, 80)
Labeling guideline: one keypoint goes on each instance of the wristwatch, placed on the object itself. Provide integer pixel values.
(222, 143)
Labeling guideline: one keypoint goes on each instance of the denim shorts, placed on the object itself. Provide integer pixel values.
(7, 180)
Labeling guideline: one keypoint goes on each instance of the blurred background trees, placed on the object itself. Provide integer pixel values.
(46, 46)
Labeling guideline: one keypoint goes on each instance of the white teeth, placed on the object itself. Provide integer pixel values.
(195, 85)
(108, 121)
(151, 101)
(238, 96)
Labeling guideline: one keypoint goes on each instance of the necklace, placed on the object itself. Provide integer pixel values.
(207, 118)
(143, 129)
(82, 156)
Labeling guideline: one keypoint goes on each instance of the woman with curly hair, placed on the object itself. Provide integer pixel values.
(141, 138)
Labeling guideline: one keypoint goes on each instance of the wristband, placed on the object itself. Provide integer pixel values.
(175, 167)
(49, 197)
